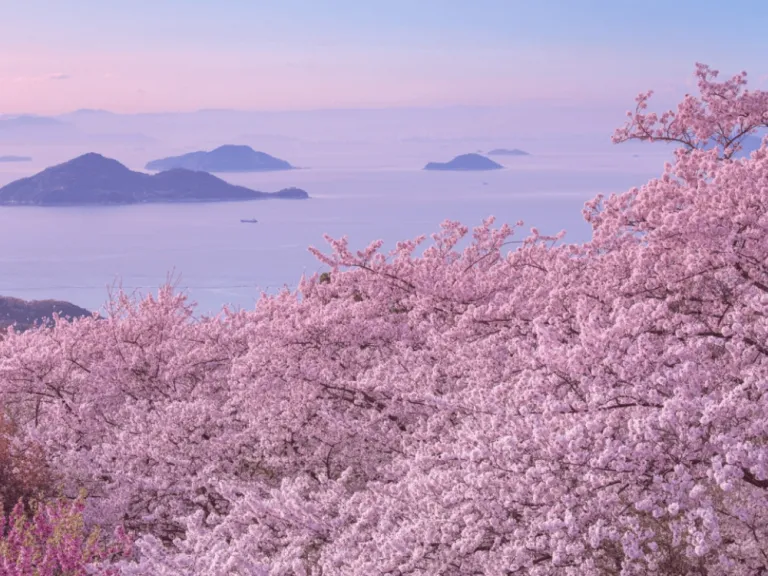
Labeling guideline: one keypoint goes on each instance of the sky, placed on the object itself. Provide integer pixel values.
(183, 55)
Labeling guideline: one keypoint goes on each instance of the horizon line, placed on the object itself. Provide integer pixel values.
(523, 103)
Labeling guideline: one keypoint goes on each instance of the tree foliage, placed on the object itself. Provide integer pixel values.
(54, 542)
(541, 409)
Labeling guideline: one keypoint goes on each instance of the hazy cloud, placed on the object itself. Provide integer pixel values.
(35, 79)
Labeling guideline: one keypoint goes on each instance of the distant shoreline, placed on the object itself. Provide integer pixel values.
(146, 203)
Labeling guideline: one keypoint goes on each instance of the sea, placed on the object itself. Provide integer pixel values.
(79, 254)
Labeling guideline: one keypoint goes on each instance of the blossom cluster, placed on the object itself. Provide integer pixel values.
(537, 408)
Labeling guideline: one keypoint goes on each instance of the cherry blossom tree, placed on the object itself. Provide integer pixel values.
(724, 114)
(511, 407)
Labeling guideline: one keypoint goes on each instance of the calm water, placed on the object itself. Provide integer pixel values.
(76, 253)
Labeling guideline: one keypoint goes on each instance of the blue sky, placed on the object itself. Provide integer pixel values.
(288, 54)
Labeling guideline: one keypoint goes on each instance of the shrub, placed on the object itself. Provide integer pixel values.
(54, 542)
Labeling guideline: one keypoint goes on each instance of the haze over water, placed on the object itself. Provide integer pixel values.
(74, 253)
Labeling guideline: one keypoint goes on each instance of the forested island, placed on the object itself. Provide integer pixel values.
(227, 158)
(465, 162)
(92, 179)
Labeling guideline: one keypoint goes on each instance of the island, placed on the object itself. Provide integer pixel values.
(92, 179)
(465, 162)
(25, 314)
(506, 152)
(15, 159)
(227, 158)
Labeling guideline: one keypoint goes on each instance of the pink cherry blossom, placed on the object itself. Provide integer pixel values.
(507, 407)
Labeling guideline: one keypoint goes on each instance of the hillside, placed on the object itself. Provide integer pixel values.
(25, 314)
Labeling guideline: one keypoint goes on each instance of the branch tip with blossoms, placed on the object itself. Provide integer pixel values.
(721, 117)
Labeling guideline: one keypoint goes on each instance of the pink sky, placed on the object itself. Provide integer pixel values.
(166, 55)
(43, 81)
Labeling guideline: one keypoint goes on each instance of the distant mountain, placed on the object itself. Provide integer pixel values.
(26, 129)
(267, 137)
(90, 112)
(465, 162)
(431, 140)
(36, 130)
(24, 314)
(227, 158)
(92, 179)
(26, 121)
(132, 138)
(15, 158)
(505, 152)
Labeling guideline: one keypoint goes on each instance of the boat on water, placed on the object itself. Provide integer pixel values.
(248, 220)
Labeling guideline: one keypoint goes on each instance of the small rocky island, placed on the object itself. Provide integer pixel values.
(25, 314)
(507, 152)
(15, 158)
(465, 162)
(227, 158)
(92, 179)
